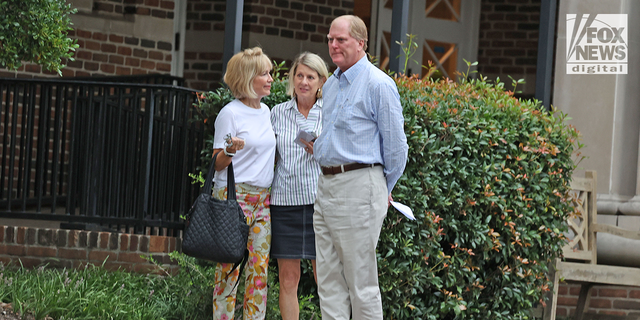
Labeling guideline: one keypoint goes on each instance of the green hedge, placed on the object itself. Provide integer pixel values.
(488, 180)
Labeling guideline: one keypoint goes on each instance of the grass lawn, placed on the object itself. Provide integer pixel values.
(95, 293)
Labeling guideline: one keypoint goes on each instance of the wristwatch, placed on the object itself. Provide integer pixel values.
(228, 154)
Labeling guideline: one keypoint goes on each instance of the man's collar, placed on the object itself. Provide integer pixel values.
(353, 71)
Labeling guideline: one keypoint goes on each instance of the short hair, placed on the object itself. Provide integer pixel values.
(314, 62)
(357, 28)
(242, 68)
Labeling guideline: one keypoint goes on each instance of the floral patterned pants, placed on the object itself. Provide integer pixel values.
(254, 201)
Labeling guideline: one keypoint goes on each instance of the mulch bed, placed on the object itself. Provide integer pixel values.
(6, 313)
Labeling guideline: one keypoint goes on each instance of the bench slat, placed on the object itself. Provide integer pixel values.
(613, 275)
(577, 255)
(581, 184)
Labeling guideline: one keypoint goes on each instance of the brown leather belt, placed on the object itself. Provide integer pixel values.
(347, 167)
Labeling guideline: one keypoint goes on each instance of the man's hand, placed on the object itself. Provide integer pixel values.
(389, 200)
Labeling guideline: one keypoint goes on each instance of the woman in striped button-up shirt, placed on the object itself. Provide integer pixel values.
(293, 190)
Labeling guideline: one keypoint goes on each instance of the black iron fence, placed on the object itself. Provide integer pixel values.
(143, 78)
(97, 152)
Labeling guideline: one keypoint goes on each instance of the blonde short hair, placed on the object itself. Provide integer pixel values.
(242, 68)
(315, 63)
(357, 28)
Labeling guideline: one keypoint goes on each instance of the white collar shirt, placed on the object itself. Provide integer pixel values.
(296, 175)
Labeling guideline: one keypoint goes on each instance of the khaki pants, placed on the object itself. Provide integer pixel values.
(349, 210)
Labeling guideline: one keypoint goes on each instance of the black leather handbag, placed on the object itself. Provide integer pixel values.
(216, 229)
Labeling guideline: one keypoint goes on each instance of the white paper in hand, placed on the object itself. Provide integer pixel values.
(403, 209)
(303, 135)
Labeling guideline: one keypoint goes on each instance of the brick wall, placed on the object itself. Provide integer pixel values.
(113, 54)
(611, 300)
(508, 43)
(203, 69)
(298, 21)
(106, 53)
(74, 248)
(156, 8)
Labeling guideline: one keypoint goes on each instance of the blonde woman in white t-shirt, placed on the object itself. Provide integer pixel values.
(296, 178)
(252, 148)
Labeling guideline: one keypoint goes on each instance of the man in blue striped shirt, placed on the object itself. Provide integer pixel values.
(362, 151)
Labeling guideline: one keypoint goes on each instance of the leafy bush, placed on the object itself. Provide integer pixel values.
(35, 30)
(488, 180)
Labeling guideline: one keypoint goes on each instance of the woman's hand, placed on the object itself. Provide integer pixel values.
(235, 144)
(309, 146)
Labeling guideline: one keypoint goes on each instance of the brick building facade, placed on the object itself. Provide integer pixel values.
(112, 40)
(133, 37)
(605, 300)
(508, 41)
(282, 28)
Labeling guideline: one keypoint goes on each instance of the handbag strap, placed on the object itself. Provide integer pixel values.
(231, 180)
(240, 265)
(231, 194)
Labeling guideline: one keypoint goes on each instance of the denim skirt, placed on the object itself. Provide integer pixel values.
(292, 235)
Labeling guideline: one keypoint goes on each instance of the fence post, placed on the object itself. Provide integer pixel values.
(147, 175)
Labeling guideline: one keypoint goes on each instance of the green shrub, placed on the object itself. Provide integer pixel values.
(36, 31)
(488, 180)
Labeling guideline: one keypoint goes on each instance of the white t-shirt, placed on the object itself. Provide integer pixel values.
(253, 164)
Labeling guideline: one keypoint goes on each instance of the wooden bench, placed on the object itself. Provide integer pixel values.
(580, 264)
